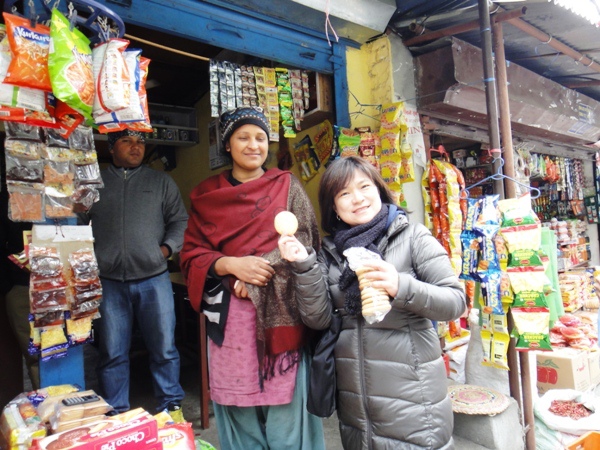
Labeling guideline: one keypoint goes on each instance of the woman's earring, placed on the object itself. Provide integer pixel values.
(338, 217)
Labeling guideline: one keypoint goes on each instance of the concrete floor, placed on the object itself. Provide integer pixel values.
(141, 393)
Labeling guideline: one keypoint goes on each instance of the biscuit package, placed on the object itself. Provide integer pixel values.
(375, 302)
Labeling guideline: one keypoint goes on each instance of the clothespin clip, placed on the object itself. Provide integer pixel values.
(495, 153)
(33, 17)
(72, 16)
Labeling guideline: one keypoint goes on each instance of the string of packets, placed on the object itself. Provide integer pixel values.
(501, 243)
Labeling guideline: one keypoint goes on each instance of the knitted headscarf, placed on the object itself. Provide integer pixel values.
(114, 137)
(235, 118)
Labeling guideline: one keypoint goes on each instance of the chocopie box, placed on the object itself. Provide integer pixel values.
(133, 430)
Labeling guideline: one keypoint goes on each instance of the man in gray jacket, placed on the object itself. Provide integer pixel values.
(138, 223)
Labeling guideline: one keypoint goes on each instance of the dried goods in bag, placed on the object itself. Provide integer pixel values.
(25, 202)
(29, 46)
(24, 169)
(70, 65)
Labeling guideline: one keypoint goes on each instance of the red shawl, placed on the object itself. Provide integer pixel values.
(228, 220)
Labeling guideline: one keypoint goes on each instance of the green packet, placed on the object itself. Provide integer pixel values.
(532, 328)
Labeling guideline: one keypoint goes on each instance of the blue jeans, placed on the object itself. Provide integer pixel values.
(151, 302)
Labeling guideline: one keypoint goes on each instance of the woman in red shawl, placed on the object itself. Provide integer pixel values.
(235, 275)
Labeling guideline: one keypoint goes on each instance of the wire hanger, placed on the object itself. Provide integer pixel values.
(500, 176)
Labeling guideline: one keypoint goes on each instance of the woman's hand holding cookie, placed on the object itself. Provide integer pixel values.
(292, 249)
(383, 276)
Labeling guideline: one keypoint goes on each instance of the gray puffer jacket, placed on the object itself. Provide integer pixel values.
(392, 387)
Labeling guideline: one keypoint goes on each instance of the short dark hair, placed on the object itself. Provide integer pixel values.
(336, 177)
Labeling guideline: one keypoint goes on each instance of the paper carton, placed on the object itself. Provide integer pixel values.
(122, 432)
(564, 368)
(594, 363)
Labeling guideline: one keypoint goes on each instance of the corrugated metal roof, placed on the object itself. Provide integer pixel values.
(588, 9)
(521, 48)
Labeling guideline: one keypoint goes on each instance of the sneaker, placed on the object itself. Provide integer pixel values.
(176, 413)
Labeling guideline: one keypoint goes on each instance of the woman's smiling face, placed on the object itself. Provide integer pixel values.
(359, 201)
(249, 147)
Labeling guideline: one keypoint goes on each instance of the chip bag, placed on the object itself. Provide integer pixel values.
(29, 47)
(70, 65)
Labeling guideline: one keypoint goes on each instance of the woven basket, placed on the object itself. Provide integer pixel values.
(479, 400)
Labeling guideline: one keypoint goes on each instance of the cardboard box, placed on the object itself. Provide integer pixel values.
(594, 364)
(564, 368)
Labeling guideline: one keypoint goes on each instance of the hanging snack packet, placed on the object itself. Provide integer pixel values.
(531, 328)
(79, 331)
(349, 141)
(324, 141)
(35, 340)
(67, 118)
(25, 201)
(58, 207)
(306, 158)
(111, 77)
(24, 169)
(70, 65)
(491, 293)
(29, 46)
(470, 255)
(53, 343)
(500, 343)
(142, 125)
(523, 244)
(82, 138)
(16, 130)
(16, 96)
(486, 226)
(284, 94)
(528, 288)
(132, 112)
(427, 198)
(517, 211)
(58, 178)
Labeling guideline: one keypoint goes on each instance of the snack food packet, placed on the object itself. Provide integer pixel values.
(70, 65)
(29, 46)
(111, 77)
(16, 96)
(133, 112)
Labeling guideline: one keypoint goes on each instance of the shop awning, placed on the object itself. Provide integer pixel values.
(450, 86)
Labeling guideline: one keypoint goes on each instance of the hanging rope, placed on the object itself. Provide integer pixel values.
(328, 25)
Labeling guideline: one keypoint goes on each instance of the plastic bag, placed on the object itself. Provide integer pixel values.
(566, 424)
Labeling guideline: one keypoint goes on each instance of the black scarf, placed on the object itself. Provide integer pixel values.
(365, 235)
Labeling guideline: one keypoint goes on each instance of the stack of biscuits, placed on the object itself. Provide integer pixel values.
(375, 301)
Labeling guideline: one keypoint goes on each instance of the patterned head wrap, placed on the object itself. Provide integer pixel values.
(233, 119)
(114, 137)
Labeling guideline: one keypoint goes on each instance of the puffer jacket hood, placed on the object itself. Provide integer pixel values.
(392, 386)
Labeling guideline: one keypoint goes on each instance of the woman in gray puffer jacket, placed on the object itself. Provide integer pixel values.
(391, 380)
